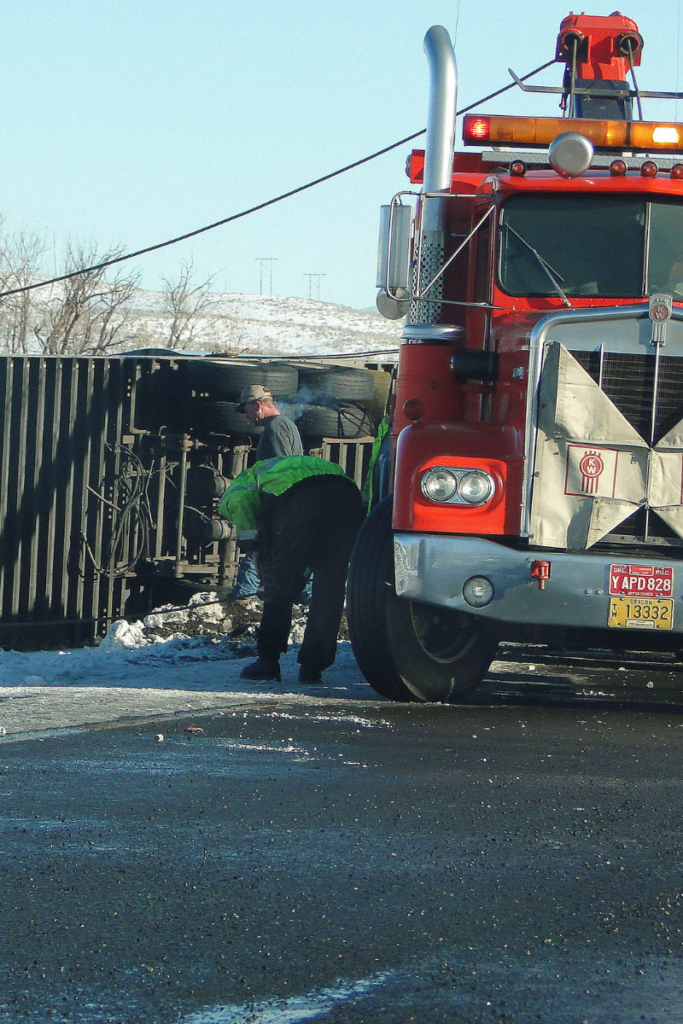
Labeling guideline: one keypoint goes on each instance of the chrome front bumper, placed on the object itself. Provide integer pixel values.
(434, 569)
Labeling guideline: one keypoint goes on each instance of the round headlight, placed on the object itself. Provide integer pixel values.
(439, 484)
(476, 487)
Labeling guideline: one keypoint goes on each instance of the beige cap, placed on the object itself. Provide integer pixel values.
(254, 393)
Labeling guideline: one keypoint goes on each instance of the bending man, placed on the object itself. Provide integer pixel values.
(306, 513)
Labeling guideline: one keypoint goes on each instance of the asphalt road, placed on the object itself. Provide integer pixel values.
(518, 858)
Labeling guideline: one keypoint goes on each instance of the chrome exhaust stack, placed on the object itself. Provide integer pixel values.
(438, 171)
(440, 142)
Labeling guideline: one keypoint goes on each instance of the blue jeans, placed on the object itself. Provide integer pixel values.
(247, 582)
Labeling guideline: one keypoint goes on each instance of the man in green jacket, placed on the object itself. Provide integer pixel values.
(304, 514)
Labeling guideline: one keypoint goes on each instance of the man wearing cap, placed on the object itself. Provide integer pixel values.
(280, 437)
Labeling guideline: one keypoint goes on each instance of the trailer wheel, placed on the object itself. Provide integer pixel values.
(408, 650)
(225, 379)
(221, 418)
(340, 419)
(350, 384)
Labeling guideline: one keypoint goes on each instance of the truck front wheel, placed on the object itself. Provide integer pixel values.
(408, 650)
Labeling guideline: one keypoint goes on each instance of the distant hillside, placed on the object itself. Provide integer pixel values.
(270, 325)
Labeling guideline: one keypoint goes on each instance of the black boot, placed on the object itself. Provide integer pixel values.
(307, 674)
(262, 669)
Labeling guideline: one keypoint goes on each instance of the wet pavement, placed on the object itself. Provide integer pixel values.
(517, 858)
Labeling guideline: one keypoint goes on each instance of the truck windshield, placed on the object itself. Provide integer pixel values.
(592, 246)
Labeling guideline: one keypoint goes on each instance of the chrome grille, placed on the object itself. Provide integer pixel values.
(628, 380)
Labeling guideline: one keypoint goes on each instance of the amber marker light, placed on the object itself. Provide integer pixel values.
(647, 135)
(617, 168)
(666, 134)
(649, 169)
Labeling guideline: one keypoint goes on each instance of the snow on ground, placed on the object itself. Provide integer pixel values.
(263, 325)
(180, 661)
(272, 325)
(297, 1009)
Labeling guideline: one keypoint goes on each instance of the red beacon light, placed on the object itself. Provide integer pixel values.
(649, 169)
(517, 168)
(617, 168)
(477, 129)
(677, 171)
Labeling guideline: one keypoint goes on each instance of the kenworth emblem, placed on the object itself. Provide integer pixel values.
(590, 471)
(592, 468)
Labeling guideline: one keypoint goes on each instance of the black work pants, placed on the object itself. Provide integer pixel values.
(313, 526)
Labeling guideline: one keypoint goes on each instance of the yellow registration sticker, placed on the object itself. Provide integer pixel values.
(641, 613)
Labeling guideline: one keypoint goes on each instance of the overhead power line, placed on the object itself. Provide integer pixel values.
(260, 206)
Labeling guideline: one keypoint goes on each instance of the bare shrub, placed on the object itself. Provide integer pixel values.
(88, 314)
(193, 311)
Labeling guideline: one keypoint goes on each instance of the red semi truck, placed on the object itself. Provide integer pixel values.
(537, 433)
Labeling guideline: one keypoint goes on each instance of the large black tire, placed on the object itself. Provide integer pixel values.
(227, 378)
(339, 419)
(351, 384)
(381, 473)
(371, 573)
(408, 650)
(221, 418)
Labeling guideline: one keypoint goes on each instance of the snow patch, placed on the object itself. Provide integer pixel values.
(124, 635)
(136, 672)
(289, 1011)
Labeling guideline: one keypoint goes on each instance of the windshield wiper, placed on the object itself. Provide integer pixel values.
(549, 271)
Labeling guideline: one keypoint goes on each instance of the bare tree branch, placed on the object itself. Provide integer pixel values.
(19, 265)
(191, 306)
(88, 314)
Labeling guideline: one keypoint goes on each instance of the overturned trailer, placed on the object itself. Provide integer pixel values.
(112, 469)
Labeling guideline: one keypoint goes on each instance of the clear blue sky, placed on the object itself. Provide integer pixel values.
(129, 122)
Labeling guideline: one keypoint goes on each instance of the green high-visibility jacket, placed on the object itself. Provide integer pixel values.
(241, 501)
(382, 431)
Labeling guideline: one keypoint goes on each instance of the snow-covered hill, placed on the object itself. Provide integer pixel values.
(270, 325)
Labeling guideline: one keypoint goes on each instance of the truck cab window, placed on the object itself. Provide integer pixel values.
(665, 264)
(589, 246)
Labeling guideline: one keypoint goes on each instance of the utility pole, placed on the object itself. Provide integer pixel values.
(310, 284)
(269, 260)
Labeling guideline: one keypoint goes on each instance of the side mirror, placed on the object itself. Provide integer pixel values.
(393, 260)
